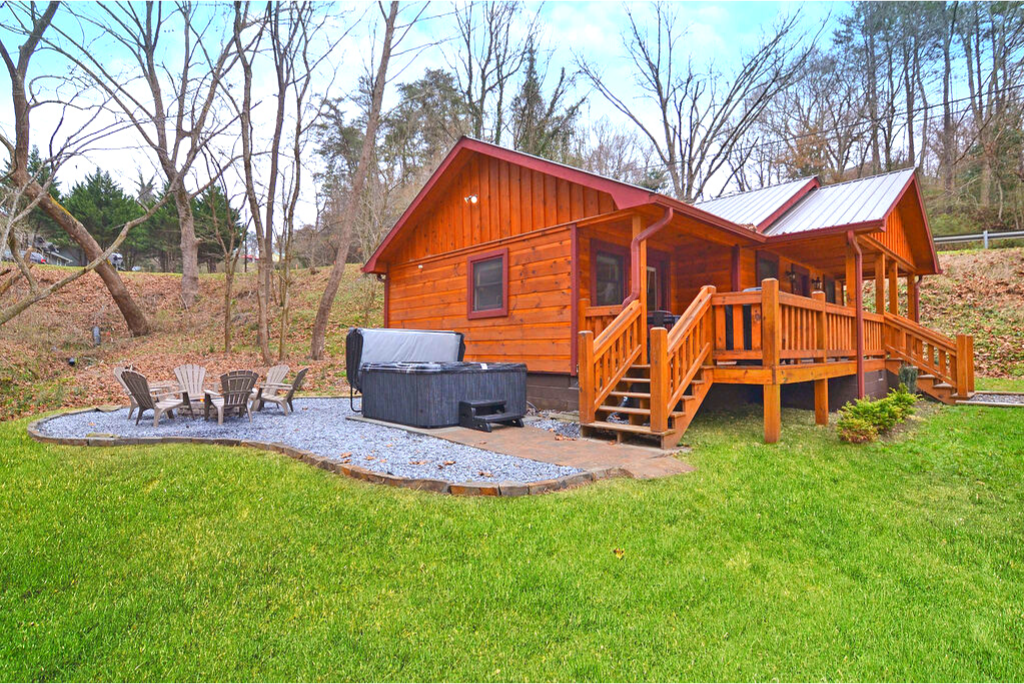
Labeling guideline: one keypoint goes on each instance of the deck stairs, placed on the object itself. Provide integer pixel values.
(626, 412)
(930, 385)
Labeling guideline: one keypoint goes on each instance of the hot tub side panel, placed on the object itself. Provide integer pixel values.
(431, 399)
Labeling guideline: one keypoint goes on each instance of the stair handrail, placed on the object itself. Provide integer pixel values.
(955, 364)
(677, 356)
(604, 359)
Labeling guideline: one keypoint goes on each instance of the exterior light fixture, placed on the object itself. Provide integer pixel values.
(816, 284)
(471, 199)
(791, 274)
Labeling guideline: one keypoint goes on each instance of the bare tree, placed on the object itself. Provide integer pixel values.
(25, 193)
(487, 60)
(172, 108)
(319, 336)
(701, 114)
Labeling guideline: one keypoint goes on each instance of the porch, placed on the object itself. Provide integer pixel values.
(639, 375)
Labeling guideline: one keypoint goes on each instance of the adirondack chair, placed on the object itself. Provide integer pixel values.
(190, 381)
(275, 376)
(132, 404)
(235, 390)
(282, 393)
(147, 400)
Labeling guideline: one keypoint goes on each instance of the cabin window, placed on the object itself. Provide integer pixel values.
(767, 267)
(488, 284)
(610, 287)
(830, 290)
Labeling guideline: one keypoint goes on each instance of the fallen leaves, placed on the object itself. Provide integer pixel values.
(619, 553)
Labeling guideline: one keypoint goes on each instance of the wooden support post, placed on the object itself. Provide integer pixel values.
(894, 288)
(852, 295)
(659, 380)
(771, 346)
(912, 300)
(880, 283)
(641, 274)
(821, 345)
(772, 413)
(586, 376)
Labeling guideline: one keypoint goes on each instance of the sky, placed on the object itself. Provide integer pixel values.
(717, 31)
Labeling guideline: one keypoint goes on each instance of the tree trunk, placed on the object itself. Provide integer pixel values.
(229, 281)
(189, 248)
(132, 313)
(323, 313)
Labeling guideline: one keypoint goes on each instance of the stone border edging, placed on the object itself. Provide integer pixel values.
(317, 461)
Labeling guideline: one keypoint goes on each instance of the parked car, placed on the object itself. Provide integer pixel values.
(36, 258)
(116, 260)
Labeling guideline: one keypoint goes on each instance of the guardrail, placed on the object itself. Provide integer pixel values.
(984, 236)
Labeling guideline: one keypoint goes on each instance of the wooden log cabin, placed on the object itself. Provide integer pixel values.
(634, 306)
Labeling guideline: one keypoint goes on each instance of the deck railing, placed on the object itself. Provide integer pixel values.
(677, 355)
(949, 360)
(759, 330)
(605, 358)
(596, 318)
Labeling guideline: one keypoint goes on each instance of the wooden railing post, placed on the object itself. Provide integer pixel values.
(771, 331)
(821, 345)
(586, 376)
(709, 327)
(963, 365)
(970, 364)
(581, 324)
(659, 380)
(771, 346)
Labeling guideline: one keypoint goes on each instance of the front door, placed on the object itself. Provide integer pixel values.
(657, 285)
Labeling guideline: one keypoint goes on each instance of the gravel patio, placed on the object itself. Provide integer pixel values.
(320, 425)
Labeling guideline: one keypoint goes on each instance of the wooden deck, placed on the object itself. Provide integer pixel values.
(766, 338)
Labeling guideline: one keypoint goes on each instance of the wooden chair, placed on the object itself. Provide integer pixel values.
(275, 376)
(235, 390)
(147, 400)
(282, 393)
(190, 381)
(132, 404)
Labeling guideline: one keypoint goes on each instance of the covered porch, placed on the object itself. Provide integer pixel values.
(700, 304)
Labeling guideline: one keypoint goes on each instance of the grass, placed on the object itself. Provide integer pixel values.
(805, 560)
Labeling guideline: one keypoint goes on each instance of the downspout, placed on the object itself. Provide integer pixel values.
(634, 253)
(858, 288)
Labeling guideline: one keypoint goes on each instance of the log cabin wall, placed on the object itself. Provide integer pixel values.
(537, 329)
(511, 200)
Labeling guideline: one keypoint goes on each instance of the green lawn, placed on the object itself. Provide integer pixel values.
(805, 560)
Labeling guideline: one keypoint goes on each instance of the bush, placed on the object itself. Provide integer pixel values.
(855, 430)
(863, 420)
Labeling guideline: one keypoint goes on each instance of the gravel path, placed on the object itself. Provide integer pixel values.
(997, 398)
(320, 426)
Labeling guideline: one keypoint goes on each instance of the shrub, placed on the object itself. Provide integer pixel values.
(863, 420)
(855, 430)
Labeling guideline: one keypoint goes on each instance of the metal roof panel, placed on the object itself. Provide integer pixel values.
(856, 201)
(753, 207)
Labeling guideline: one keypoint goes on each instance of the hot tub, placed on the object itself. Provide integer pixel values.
(428, 394)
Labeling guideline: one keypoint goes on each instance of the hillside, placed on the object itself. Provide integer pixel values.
(36, 346)
(980, 292)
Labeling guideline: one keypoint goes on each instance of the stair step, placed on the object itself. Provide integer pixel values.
(641, 366)
(942, 385)
(623, 427)
(635, 380)
(925, 377)
(628, 410)
(630, 395)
